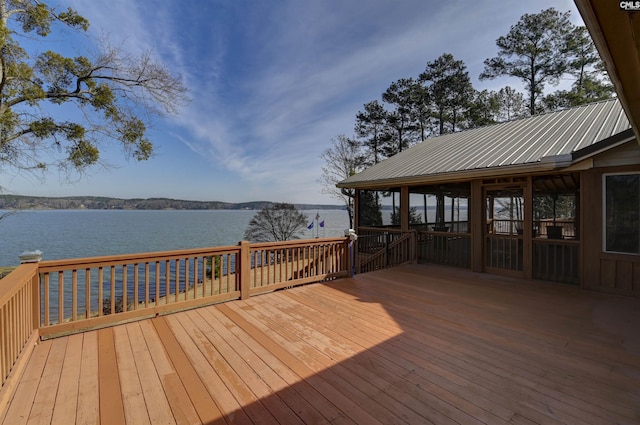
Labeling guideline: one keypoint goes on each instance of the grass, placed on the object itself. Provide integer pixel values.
(5, 270)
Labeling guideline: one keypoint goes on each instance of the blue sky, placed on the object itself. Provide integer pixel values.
(271, 83)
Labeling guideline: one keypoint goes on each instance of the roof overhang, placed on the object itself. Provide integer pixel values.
(616, 34)
(460, 176)
(578, 160)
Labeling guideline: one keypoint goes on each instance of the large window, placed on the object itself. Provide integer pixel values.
(622, 213)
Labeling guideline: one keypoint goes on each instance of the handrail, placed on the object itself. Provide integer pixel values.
(19, 311)
(291, 263)
(45, 299)
(391, 251)
(79, 294)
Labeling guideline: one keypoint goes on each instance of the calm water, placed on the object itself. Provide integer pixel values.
(86, 233)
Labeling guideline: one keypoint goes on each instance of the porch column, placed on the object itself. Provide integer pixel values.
(356, 210)
(527, 234)
(404, 208)
(477, 222)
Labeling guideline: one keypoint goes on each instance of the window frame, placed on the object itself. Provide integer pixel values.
(604, 212)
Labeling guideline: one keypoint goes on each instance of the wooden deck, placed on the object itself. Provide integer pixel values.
(411, 345)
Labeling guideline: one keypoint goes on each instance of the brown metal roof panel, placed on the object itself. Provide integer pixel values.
(532, 139)
(519, 142)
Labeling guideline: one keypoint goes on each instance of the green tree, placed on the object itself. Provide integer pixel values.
(511, 104)
(421, 110)
(535, 51)
(276, 222)
(341, 160)
(484, 109)
(585, 60)
(591, 81)
(450, 90)
(370, 212)
(112, 90)
(401, 120)
(414, 216)
(371, 128)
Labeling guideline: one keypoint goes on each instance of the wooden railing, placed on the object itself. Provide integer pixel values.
(63, 296)
(451, 249)
(383, 248)
(19, 319)
(556, 260)
(86, 293)
(560, 229)
(285, 264)
(504, 252)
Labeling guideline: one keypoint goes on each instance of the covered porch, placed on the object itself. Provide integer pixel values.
(526, 226)
(553, 197)
(413, 344)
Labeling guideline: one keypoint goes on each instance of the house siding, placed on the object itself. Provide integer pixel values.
(618, 273)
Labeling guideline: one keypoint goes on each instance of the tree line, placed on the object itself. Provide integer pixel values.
(19, 202)
(540, 50)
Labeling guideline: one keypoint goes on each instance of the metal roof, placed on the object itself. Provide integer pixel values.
(541, 142)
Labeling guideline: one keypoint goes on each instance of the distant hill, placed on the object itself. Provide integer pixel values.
(8, 202)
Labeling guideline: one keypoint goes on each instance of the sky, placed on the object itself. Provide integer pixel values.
(271, 83)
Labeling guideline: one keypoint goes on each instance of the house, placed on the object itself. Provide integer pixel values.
(553, 197)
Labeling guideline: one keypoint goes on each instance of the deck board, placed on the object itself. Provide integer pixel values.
(111, 400)
(156, 402)
(19, 410)
(67, 394)
(414, 344)
(135, 408)
(88, 394)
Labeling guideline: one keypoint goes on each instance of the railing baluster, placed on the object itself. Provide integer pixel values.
(46, 299)
(10, 331)
(157, 276)
(60, 297)
(87, 291)
(125, 284)
(146, 284)
(74, 295)
(203, 274)
(167, 281)
(112, 299)
(177, 263)
(100, 290)
(136, 285)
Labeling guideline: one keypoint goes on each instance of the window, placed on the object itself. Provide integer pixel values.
(622, 213)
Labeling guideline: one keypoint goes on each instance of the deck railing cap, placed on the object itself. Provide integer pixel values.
(31, 256)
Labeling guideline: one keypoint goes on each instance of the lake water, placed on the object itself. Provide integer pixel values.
(87, 233)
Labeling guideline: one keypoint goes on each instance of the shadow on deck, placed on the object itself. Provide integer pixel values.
(414, 344)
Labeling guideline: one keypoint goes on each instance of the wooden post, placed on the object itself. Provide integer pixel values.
(347, 250)
(356, 210)
(404, 208)
(245, 270)
(35, 299)
(34, 257)
(478, 223)
(527, 233)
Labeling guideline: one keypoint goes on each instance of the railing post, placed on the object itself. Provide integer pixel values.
(34, 257)
(386, 248)
(349, 254)
(245, 270)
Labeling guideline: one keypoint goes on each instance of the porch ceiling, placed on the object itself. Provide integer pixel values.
(559, 183)
(616, 34)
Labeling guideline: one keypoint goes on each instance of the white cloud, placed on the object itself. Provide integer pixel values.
(271, 84)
